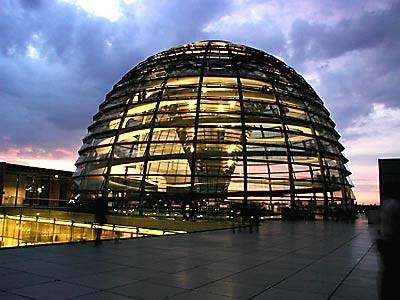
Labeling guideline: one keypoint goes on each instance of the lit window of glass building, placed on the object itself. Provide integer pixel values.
(213, 122)
(32, 186)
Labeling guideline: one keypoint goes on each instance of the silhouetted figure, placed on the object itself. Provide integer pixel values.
(193, 210)
(185, 208)
(236, 214)
(100, 211)
(118, 235)
(353, 214)
(389, 249)
(232, 215)
(338, 213)
(257, 216)
(250, 219)
(254, 217)
(241, 217)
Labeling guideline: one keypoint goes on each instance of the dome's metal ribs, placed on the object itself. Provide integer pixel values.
(105, 184)
(319, 149)
(196, 123)
(142, 187)
(289, 155)
(243, 126)
(221, 122)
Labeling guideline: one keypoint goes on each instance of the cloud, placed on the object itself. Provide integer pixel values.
(348, 51)
(320, 40)
(371, 136)
(59, 158)
(352, 60)
(32, 52)
(376, 132)
(108, 9)
(59, 59)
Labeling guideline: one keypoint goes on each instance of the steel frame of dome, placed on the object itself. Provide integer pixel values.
(213, 121)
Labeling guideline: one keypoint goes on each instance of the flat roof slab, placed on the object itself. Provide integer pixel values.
(283, 260)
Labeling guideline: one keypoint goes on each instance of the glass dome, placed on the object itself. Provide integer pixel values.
(213, 122)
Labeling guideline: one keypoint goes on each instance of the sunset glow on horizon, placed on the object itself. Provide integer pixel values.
(366, 192)
(59, 59)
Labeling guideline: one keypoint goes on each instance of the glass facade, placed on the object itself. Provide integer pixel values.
(213, 122)
(32, 186)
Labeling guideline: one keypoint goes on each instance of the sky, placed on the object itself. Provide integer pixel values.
(58, 58)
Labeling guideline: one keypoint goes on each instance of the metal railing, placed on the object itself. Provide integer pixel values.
(21, 226)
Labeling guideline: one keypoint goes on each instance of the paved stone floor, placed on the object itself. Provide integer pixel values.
(284, 260)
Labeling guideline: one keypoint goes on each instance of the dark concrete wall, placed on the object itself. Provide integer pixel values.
(389, 178)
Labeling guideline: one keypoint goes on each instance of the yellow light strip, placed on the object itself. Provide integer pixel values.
(126, 231)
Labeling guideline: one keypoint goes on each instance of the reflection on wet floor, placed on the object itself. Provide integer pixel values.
(22, 230)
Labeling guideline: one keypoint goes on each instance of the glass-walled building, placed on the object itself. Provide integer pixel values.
(32, 186)
(213, 123)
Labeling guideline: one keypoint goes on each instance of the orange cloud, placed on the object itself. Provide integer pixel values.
(59, 158)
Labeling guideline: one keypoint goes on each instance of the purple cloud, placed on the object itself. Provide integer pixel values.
(59, 58)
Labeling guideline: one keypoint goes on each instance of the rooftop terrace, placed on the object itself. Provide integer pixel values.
(284, 260)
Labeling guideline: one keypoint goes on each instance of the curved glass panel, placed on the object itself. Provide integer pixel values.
(213, 121)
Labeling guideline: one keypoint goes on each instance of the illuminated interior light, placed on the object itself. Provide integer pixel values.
(192, 104)
(231, 149)
(241, 123)
(63, 222)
